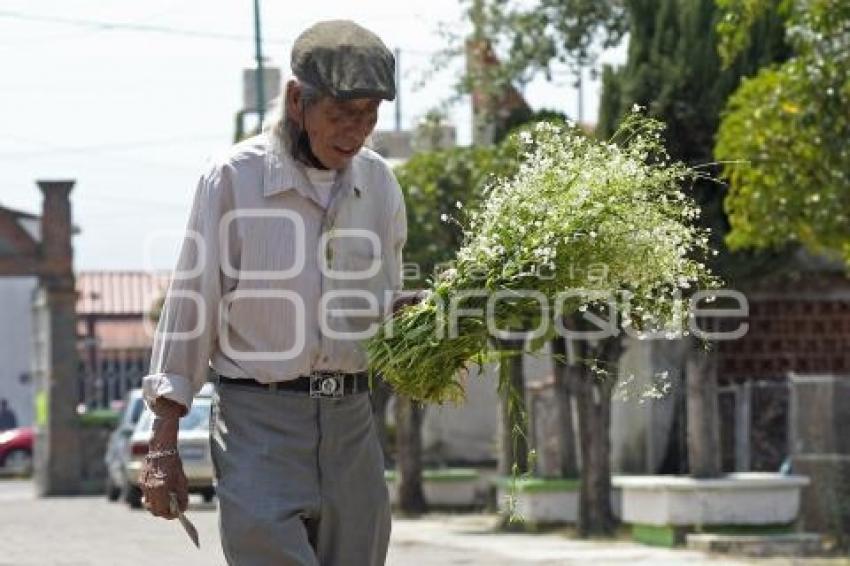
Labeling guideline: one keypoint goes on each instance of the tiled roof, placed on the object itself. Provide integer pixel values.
(119, 292)
(19, 213)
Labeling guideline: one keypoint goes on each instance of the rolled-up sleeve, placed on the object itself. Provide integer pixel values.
(188, 324)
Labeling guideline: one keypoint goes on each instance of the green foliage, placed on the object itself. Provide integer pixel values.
(785, 134)
(674, 71)
(156, 310)
(100, 418)
(739, 17)
(523, 120)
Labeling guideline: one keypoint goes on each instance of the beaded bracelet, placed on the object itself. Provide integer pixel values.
(161, 454)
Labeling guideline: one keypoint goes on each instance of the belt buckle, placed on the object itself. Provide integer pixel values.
(326, 385)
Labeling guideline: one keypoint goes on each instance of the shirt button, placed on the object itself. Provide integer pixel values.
(324, 358)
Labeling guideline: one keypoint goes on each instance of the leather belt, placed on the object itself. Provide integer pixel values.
(318, 384)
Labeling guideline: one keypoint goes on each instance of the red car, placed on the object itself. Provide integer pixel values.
(16, 450)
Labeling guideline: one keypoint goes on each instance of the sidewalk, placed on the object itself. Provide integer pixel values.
(89, 531)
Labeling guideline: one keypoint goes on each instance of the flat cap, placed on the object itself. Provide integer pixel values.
(344, 60)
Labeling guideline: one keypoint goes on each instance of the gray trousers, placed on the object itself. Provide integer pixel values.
(300, 481)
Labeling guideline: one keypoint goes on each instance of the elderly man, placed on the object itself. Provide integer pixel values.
(292, 256)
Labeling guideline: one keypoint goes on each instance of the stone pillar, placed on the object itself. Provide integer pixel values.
(820, 449)
(56, 253)
(57, 453)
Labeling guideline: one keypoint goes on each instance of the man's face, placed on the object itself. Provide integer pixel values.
(337, 129)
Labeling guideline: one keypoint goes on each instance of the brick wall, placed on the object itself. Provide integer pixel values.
(800, 335)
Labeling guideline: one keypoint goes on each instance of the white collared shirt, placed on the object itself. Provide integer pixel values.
(248, 292)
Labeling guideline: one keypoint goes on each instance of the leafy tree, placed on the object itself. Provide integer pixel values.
(520, 121)
(785, 131)
(433, 183)
(534, 39)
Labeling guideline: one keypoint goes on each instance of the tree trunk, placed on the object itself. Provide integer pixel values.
(564, 395)
(408, 416)
(514, 422)
(703, 414)
(593, 394)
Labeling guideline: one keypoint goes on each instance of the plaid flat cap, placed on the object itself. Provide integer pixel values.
(344, 60)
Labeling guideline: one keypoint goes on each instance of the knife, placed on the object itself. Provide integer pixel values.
(187, 524)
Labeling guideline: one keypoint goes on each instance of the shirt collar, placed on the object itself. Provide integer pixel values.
(282, 173)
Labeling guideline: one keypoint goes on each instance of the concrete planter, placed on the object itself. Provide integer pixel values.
(747, 499)
(450, 487)
(546, 501)
(541, 501)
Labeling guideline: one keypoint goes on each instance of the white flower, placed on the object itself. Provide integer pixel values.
(636, 107)
(542, 215)
(448, 274)
(458, 205)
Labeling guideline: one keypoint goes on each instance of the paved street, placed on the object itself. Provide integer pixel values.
(89, 531)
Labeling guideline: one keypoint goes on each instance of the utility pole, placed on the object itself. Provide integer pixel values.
(398, 89)
(258, 45)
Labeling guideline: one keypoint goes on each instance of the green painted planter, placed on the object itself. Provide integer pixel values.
(540, 501)
(539, 485)
(446, 487)
(104, 418)
(669, 536)
(663, 510)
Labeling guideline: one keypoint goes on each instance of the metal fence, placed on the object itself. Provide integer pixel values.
(111, 376)
(754, 424)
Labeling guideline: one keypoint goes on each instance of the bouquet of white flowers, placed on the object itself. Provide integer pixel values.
(583, 223)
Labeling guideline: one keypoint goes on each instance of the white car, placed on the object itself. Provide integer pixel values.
(118, 449)
(193, 443)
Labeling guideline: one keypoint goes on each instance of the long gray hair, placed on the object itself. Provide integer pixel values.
(285, 131)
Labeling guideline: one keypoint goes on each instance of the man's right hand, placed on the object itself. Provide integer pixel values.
(161, 476)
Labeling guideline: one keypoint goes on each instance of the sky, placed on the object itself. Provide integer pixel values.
(131, 98)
